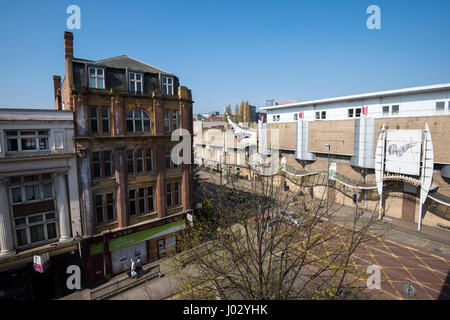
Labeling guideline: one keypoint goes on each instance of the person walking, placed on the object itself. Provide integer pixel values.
(138, 265)
(133, 268)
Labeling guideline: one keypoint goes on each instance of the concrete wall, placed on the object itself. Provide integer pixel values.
(438, 128)
(338, 134)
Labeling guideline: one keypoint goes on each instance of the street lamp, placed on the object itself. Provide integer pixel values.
(328, 173)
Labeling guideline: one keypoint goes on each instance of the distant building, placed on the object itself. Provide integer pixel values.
(253, 117)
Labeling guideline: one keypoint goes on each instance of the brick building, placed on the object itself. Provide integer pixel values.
(133, 197)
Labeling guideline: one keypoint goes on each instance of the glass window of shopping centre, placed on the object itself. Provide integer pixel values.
(440, 106)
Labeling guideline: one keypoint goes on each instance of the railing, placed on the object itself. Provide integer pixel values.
(439, 203)
(124, 282)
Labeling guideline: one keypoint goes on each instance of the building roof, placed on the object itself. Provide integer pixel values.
(364, 96)
(10, 114)
(123, 61)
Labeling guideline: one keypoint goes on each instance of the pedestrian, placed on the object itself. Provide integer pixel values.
(133, 268)
(138, 265)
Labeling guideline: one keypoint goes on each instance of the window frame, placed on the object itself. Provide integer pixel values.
(130, 152)
(97, 163)
(140, 160)
(135, 81)
(96, 77)
(436, 110)
(166, 119)
(398, 110)
(177, 194)
(151, 208)
(141, 211)
(110, 162)
(169, 195)
(142, 119)
(168, 157)
(23, 184)
(91, 119)
(134, 199)
(19, 136)
(165, 85)
(101, 206)
(103, 119)
(173, 192)
(27, 226)
(113, 201)
(174, 120)
(147, 158)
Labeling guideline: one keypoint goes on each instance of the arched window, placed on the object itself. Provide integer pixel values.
(138, 120)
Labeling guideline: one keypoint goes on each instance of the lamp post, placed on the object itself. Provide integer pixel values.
(328, 172)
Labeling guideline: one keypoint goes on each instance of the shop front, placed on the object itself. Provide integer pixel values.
(38, 279)
(110, 253)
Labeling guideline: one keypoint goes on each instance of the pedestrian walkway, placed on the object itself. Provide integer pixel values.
(118, 283)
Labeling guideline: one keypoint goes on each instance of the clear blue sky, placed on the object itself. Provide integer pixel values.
(228, 51)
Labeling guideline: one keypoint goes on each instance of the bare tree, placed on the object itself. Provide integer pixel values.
(270, 243)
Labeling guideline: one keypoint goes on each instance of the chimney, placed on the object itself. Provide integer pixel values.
(68, 44)
(57, 91)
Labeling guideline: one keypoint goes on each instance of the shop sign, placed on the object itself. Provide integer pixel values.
(128, 240)
(403, 151)
(41, 262)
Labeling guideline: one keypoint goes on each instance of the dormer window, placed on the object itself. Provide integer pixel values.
(135, 82)
(96, 78)
(167, 85)
(29, 140)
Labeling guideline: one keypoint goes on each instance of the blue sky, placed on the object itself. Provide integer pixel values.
(228, 51)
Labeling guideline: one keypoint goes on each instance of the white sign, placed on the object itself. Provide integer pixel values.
(245, 137)
(403, 151)
(332, 170)
(41, 262)
(190, 218)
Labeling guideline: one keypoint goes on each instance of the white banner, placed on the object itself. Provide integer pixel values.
(403, 151)
(244, 137)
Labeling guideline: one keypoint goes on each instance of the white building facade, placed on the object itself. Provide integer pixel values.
(39, 195)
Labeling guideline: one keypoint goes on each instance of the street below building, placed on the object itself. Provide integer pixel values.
(403, 264)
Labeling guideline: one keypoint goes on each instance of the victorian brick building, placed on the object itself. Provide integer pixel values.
(133, 197)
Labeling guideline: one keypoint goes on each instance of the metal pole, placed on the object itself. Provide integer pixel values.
(328, 174)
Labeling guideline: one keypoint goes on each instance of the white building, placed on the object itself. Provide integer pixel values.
(410, 102)
(39, 198)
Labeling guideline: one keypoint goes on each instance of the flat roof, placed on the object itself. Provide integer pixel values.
(364, 96)
(12, 114)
